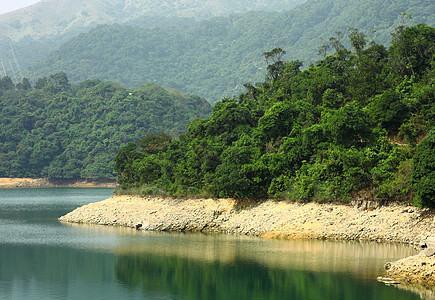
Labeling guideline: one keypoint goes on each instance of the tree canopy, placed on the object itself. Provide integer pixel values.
(63, 130)
(346, 126)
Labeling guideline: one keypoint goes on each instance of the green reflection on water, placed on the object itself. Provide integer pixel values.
(236, 267)
(195, 266)
(43, 259)
(194, 279)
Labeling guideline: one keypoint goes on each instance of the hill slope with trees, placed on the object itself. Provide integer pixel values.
(58, 130)
(38, 29)
(50, 17)
(214, 58)
(357, 124)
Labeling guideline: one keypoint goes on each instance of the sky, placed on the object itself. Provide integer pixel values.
(10, 5)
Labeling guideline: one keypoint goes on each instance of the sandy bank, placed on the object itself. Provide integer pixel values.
(269, 219)
(43, 182)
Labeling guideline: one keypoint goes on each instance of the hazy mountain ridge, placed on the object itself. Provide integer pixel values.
(38, 29)
(61, 16)
(215, 57)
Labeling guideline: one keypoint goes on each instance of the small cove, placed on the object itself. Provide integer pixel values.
(41, 258)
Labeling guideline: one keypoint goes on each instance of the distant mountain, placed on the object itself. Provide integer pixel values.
(37, 29)
(50, 17)
(214, 58)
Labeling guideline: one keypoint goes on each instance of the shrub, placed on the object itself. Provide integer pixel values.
(423, 172)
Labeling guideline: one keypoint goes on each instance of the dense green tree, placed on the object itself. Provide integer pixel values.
(389, 109)
(277, 121)
(153, 143)
(274, 63)
(6, 84)
(59, 130)
(423, 172)
(240, 174)
(57, 83)
(412, 49)
(348, 125)
(24, 84)
(328, 133)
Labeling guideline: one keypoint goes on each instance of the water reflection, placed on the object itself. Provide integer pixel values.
(365, 260)
(425, 292)
(217, 266)
(53, 272)
(41, 258)
(193, 279)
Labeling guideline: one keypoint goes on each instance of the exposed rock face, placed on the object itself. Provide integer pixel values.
(275, 219)
(417, 269)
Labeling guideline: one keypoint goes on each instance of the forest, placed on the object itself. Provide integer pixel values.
(214, 58)
(41, 28)
(58, 130)
(358, 123)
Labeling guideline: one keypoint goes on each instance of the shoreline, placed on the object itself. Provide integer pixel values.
(47, 183)
(395, 223)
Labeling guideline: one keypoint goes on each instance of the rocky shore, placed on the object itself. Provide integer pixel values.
(361, 221)
(418, 269)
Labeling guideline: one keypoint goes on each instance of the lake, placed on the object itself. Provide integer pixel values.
(41, 258)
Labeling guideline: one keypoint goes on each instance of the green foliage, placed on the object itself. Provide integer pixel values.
(59, 130)
(389, 109)
(214, 58)
(412, 49)
(423, 172)
(278, 120)
(304, 135)
(54, 84)
(153, 143)
(348, 125)
(274, 63)
(6, 84)
(240, 174)
(45, 30)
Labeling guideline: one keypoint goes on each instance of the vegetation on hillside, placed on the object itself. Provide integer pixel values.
(355, 124)
(58, 130)
(49, 18)
(41, 28)
(214, 58)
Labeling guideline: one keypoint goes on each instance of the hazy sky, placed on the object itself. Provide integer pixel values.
(10, 5)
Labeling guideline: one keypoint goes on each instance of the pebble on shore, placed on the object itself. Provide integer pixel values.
(415, 270)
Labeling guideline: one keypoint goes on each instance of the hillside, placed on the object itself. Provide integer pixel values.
(42, 27)
(50, 17)
(58, 130)
(215, 58)
(359, 124)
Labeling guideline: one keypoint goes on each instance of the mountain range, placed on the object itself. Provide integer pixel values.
(214, 58)
(40, 28)
(208, 48)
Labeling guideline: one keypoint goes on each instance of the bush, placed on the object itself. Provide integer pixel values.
(423, 172)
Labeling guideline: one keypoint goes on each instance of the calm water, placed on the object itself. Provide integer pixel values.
(41, 258)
